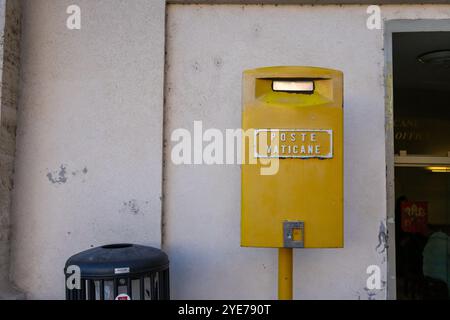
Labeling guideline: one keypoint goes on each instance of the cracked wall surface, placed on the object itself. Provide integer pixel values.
(89, 139)
(210, 61)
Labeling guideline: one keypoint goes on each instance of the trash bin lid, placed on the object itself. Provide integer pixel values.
(117, 260)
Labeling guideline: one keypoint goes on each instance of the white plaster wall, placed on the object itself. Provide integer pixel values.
(91, 104)
(208, 48)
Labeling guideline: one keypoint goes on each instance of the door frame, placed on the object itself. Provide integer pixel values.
(390, 27)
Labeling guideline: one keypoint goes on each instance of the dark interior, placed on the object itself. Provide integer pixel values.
(422, 191)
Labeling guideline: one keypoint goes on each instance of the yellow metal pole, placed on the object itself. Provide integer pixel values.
(285, 273)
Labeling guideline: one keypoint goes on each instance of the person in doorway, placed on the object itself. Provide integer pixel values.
(436, 263)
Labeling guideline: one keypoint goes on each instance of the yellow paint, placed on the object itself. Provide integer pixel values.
(297, 234)
(303, 189)
(285, 266)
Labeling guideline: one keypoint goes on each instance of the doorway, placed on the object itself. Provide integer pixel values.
(420, 185)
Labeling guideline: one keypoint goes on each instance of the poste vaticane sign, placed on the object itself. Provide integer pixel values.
(293, 143)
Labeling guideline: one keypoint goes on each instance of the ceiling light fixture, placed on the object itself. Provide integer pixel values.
(440, 169)
(438, 57)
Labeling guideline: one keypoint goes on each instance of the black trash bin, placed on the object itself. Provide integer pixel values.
(119, 272)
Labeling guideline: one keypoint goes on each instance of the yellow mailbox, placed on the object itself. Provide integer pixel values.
(293, 120)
